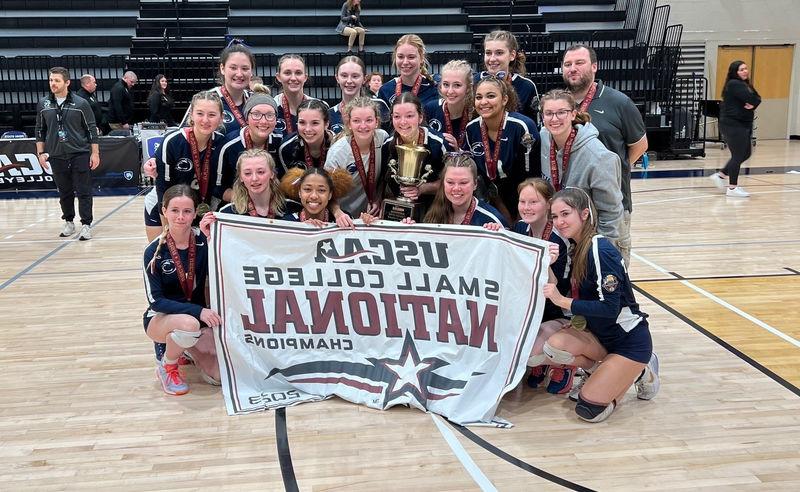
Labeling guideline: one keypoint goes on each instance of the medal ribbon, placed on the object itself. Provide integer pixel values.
(287, 114)
(588, 99)
(323, 152)
(368, 176)
(252, 212)
(470, 212)
(232, 106)
(491, 162)
(248, 140)
(448, 125)
(201, 170)
(555, 173)
(548, 229)
(186, 278)
(304, 217)
(398, 87)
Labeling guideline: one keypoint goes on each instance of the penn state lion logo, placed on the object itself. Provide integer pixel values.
(476, 148)
(168, 267)
(337, 128)
(280, 125)
(227, 117)
(352, 169)
(435, 125)
(184, 164)
(610, 283)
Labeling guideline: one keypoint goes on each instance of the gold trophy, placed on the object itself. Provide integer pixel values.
(406, 172)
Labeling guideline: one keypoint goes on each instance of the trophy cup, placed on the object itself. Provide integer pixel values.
(406, 172)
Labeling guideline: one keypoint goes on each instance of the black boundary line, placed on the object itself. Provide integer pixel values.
(284, 456)
(518, 462)
(730, 348)
(721, 277)
(66, 243)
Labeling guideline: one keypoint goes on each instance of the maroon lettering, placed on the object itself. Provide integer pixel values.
(483, 327)
(259, 323)
(373, 325)
(321, 318)
(417, 303)
(450, 322)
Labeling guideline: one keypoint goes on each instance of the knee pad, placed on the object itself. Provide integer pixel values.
(537, 360)
(558, 356)
(185, 339)
(593, 412)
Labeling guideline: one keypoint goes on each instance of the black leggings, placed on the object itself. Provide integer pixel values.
(738, 139)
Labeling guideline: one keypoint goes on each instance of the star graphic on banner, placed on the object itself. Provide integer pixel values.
(409, 374)
(327, 246)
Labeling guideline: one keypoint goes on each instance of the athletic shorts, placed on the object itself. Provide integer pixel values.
(152, 212)
(636, 345)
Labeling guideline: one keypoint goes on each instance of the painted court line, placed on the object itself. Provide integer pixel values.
(61, 246)
(722, 303)
(462, 455)
(684, 198)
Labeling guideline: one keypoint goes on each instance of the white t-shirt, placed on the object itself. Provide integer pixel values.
(340, 155)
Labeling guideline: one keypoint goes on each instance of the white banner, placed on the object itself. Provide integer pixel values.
(438, 317)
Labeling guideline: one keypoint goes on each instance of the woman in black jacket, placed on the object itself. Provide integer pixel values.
(350, 24)
(160, 102)
(739, 101)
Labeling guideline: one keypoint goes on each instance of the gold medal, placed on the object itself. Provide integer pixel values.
(203, 209)
(578, 322)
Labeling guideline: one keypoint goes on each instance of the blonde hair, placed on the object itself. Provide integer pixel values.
(357, 102)
(417, 43)
(241, 197)
(207, 96)
(260, 88)
(464, 68)
(517, 65)
(542, 187)
(441, 211)
(561, 95)
(174, 191)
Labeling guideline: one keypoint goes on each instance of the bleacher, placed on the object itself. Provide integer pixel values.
(637, 48)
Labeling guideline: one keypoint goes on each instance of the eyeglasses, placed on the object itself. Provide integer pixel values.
(560, 114)
(500, 75)
(258, 116)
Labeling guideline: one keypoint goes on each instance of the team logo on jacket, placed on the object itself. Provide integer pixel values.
(280, 125)
(184, 164)
(128, 175)
(435, 125)
(610, 283)
(167, 267)
(227, 117)
(46, 103)
(476, 148)
(337, 128)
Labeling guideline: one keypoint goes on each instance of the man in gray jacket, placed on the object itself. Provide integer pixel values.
(66, 136)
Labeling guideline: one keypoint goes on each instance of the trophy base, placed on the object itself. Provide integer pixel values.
(397, 210)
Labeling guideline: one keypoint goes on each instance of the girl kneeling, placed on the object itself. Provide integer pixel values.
(616, 337)
(175, 271)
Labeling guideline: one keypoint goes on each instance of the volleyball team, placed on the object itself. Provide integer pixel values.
(292, 157)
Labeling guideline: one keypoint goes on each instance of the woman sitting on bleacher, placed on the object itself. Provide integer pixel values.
(350, 24)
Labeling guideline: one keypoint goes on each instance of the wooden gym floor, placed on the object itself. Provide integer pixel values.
(80, 408)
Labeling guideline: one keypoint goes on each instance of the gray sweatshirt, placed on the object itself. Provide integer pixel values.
(595, 169)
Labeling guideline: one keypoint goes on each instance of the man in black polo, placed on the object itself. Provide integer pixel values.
(617, 119)
(66, 136)
(88, 91)
(120, 104)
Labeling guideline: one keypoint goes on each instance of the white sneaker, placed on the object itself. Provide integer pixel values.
(737, 192)
(647, 386)
(718, 181)
(580, 378)
(86, 233)
(68, 230)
